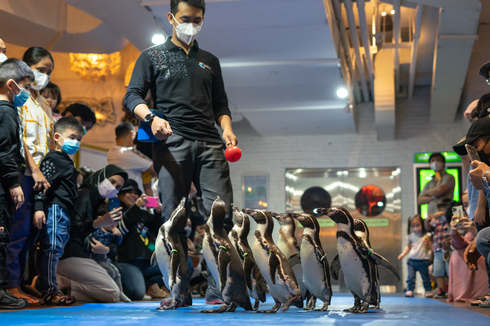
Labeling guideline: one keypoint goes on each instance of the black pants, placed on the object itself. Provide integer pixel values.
(179, 162)
(7, 210)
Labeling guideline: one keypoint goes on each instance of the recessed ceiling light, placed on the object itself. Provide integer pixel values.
(393, 12)
(342, 92)
(383, 13)
(158, 39)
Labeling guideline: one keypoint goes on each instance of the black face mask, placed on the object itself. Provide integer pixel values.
(484, 157)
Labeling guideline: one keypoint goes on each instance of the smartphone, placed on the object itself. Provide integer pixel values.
(472, 153)
(152, 202)
(458, 211)
(114, 203)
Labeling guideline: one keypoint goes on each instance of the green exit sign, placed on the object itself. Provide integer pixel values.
(451, 157)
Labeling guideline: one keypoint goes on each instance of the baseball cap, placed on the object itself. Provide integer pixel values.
(479, 128)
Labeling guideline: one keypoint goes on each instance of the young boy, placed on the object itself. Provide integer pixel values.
(437, 224)
(54, 208)
(15, 81)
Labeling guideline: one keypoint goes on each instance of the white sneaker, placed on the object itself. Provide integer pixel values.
(123, 297)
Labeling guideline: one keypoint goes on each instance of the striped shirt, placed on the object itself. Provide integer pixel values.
(37, 123)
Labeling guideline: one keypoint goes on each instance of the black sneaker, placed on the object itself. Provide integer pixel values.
(9, 301)
(440, 295)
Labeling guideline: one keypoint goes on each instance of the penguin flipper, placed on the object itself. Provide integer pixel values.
(248, 265)
(380, 260)
(274, 264)
(335, 267)
(223, 260)
(153, 259)
(174, 264)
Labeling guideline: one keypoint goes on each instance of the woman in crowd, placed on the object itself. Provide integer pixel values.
(37, 123)
(139, 229)
(464, 284)
(80, 275)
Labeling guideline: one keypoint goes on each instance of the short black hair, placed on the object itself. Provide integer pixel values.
(14, 69)
(36, 54)
(52, 88)
(123, 129)
(68, 123)
(199, 4)
(83, 111)
(437, 154)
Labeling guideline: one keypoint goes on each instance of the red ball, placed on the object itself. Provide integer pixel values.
(233, 153)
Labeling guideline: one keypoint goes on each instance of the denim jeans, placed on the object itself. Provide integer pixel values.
(483, 245)
(22, 236)
(136, 275)
(53, 238)
(421, 266)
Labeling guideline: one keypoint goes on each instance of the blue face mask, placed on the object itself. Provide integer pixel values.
(70, 146)
(21, 98)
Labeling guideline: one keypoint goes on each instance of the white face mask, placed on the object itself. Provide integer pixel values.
(3, 57)
(187, 32)
(41, 80)
(106, 189)
(437, 166)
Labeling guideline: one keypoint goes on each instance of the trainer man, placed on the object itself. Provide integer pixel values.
(187, 88)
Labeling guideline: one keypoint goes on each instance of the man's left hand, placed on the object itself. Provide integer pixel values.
(476, 174)
(229, 138)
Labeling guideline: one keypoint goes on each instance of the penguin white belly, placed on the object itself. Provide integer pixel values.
(298, 272)
(163, 259)
(279, 290)
(313, 274)
(211, 259)
(356, 278)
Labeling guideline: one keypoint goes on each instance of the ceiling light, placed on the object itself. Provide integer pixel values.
(393, 12)
(158, 39)
(342, 92)
(383, 13)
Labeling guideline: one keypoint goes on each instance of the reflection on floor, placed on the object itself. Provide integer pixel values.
(396, 310)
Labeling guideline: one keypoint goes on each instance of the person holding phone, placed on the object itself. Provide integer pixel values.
(80, 275)
(139, 228)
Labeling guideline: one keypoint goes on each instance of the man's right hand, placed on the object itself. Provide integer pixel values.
(471, 256)
(479, 216)
(17, 196)
(161, 128)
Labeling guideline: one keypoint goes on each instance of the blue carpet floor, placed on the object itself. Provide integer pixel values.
(396, 310)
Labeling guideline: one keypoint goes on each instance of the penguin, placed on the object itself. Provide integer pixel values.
(356, 260)
(172, 260)
(257, 287)
(223, 262)
(289, 246)
(316, 273)
(273, 265)
(362, 231)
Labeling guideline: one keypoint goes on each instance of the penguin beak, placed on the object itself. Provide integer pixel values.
(249, 211)
(182, 201)
(322, 211)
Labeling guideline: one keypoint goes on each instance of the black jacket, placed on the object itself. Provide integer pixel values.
(187, 88)
(57, 167)
(11, 160)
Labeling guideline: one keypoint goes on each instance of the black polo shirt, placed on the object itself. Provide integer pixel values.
(187, 88)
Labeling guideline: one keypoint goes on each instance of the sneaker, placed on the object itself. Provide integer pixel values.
(440, 295)
(123, 297)
(215, 301)
(409, 294)
(9, 301)
(429, 294)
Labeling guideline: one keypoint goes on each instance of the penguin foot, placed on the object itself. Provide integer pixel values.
(273, 310)
(311, 303)
(354, 309)
(364, 307)
(324, 308)
(232, 307)
(222, 309)
(256, 305)
(290, 301)
(168, 305)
